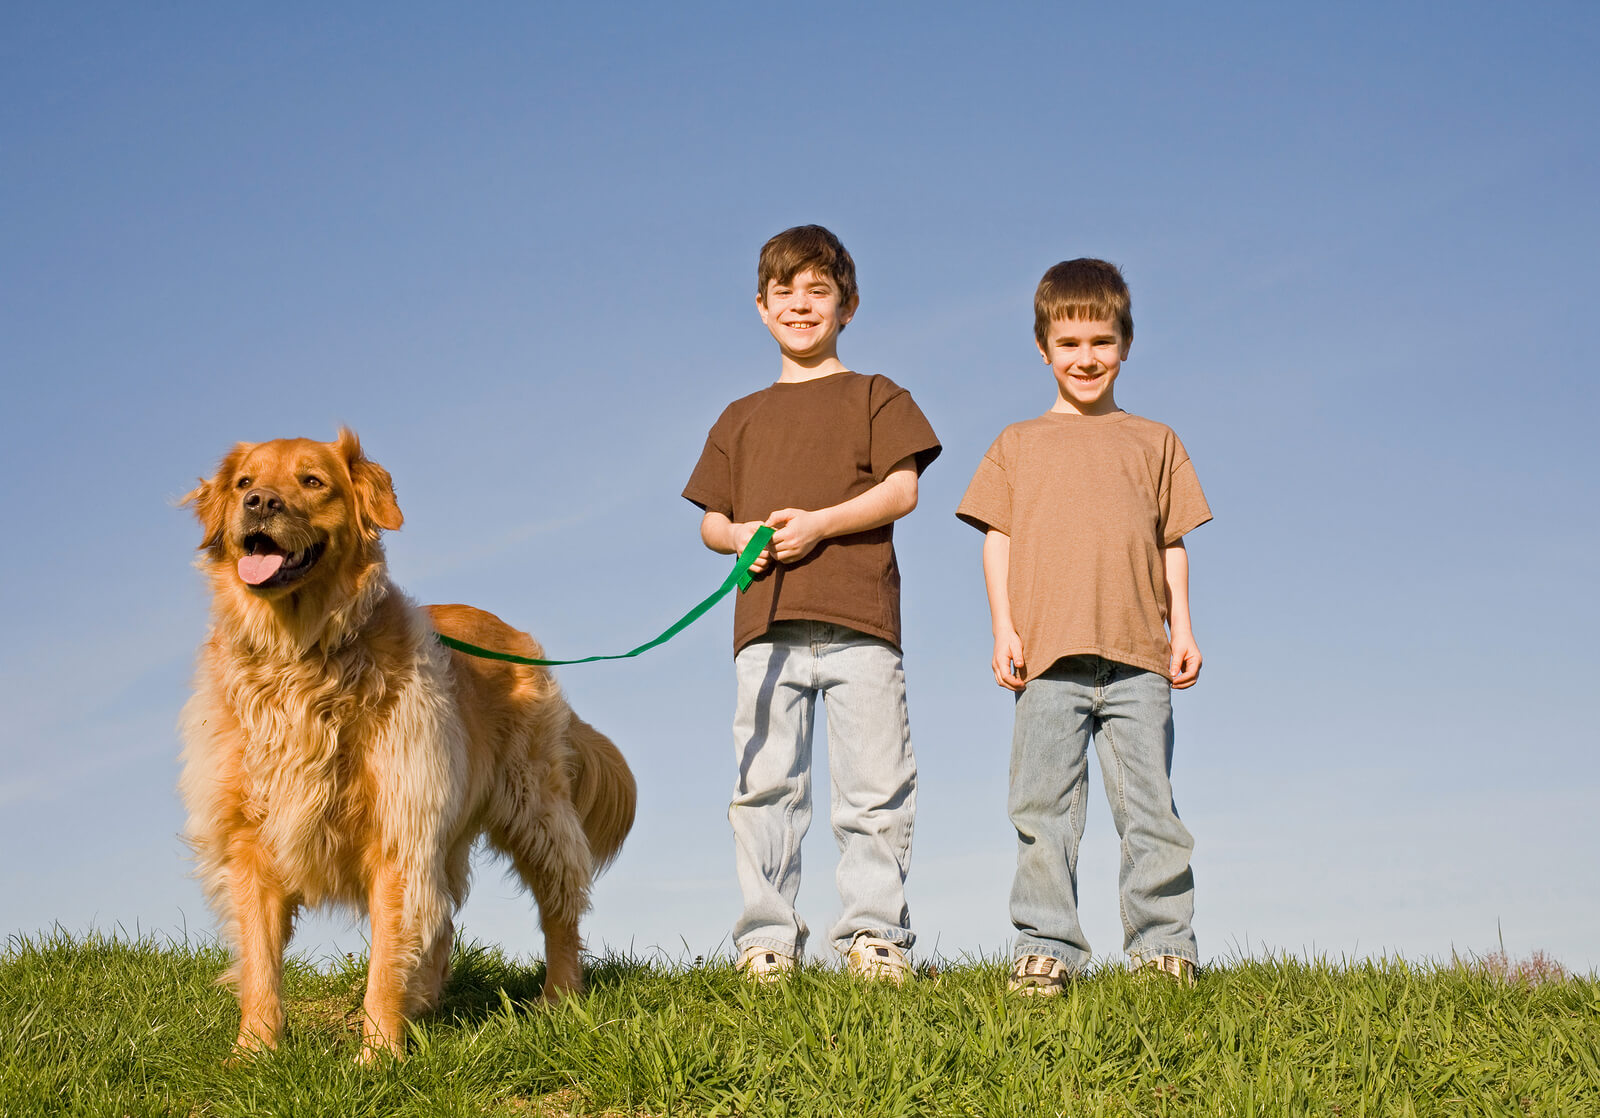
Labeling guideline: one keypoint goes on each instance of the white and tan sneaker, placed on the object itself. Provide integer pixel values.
(1175, 967)
(764, 965)
(1038, 976)
(877, 960)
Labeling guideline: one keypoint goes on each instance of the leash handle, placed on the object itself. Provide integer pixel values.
(740, 578)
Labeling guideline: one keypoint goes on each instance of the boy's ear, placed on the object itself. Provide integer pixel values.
(376, 506)
(210, 499)
(847, 311)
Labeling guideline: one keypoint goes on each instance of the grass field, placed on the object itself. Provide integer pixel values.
(99, 1026)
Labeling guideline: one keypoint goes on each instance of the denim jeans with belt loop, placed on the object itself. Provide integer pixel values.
(1128, 713)
(861, 682)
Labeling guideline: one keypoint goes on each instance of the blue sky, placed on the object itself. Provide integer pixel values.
(514, 247)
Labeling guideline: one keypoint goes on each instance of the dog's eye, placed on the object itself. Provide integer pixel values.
(242, 483)
(311, 481)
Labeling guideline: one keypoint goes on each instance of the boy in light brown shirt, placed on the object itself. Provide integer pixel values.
(1084, 511)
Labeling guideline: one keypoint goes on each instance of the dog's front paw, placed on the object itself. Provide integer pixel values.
(247, 1046)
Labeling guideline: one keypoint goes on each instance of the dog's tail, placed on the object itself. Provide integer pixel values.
(604, 794)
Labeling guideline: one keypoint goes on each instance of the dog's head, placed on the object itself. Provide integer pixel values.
(293, 514)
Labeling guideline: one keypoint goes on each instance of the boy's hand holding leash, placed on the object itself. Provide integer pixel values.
(740, 535)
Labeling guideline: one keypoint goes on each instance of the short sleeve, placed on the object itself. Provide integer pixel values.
(711, 484)
(899, 429)
(987, 502)
(1183, 504)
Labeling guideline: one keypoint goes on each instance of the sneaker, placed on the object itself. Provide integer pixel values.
(1038, 976)
(1176, 967)
(764, 966)
(877, 959)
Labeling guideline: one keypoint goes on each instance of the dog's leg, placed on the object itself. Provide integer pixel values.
(389, 971)
(562, 892)
(563, 966)
(261, 916)
(435, 969)
(538, 828)
(552, 858)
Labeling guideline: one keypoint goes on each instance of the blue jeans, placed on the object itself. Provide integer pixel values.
(1128, 713)
(874, 775)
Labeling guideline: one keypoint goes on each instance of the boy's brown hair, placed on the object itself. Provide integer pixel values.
(1080, 289)
(806, 246)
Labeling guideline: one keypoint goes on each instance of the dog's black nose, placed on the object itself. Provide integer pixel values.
(263, 501)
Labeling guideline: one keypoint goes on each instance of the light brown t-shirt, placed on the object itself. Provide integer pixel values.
(808, 446)
(1089, 503)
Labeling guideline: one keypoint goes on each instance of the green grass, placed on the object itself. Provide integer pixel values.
(101, 1026)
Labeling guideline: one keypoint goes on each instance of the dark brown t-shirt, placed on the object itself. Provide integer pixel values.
(808, 446)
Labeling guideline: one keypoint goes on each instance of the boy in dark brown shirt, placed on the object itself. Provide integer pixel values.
(830, 458)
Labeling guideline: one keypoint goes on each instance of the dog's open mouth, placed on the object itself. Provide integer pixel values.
(266, 565)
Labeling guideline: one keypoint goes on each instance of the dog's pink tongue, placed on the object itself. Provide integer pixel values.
(256, 569)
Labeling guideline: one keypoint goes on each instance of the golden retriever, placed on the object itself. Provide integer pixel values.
(336, 752)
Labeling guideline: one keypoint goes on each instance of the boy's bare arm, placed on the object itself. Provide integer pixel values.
(727, 537)
(800, 530)
(1008, 662)
(1185, 667)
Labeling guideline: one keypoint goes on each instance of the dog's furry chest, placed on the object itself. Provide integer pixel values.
(304, 780)
(327, 769)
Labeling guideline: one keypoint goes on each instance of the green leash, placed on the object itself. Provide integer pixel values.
(740, 576)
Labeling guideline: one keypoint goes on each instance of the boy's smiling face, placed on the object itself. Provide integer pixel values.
(805, 315)
(1085, 355)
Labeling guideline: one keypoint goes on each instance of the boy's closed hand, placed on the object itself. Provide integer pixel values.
(798, 531)
(1185, 664)
(740, 535)
(1008, 664)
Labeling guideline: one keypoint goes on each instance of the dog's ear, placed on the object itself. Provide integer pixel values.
(374, 489)
(210, 498)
